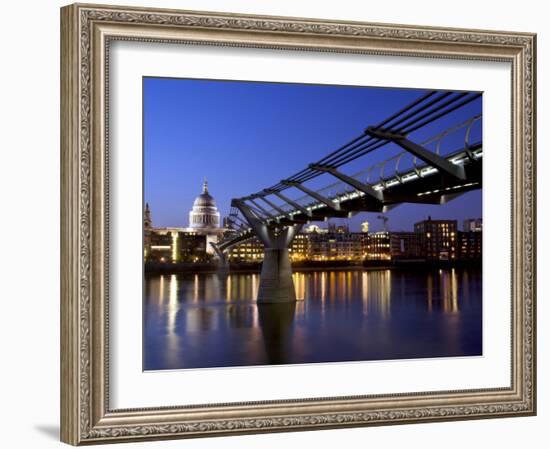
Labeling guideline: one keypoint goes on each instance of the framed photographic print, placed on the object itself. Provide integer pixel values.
(279, 224)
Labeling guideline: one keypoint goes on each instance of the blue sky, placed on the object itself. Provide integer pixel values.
(245, 136)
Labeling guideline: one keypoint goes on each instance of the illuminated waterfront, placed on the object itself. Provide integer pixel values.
(211, 320)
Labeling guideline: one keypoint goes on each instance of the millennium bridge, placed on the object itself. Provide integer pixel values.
(412, 172)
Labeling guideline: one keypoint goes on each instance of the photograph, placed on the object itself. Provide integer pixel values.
(292, 223)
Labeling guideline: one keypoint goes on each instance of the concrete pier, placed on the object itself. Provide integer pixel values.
(276, 284)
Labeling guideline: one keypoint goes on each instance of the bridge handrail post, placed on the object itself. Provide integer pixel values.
(430, 158)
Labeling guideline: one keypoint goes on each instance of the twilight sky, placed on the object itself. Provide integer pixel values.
(246, 136)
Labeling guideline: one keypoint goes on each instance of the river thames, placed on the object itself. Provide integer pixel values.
(212, 320)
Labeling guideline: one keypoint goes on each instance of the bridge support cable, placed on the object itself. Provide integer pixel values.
(430, 158)
(305, 174)
(348, 146)
(261, 209)
(407, 108)
(326, 201)
(428, 112)
(233, 218)
(425, 109)
(276, 284)
(275, 207)
(431, 118)
(257, 213)
(358, 185)
(447, 107)
(293, 203)
(374, 143)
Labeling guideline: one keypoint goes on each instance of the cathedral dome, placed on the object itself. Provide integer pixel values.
(204, 199)
(204, 214)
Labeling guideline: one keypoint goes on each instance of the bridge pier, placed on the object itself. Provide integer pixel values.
(276, 284)
(223, 266)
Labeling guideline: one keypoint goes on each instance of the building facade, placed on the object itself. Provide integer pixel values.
(472, 225)
(379, 246)
(336, 243)
(405, 245)
(470, 245)
(249, 251)
(438, 239)
(470, 241)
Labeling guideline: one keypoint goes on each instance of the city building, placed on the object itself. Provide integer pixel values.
(438, 239)
(379, 246)
(332, 244)
(300, 248)
(470, 245)
(472, 225)
(405, 245)
(160, 246)
(251, 250)
(177, 245)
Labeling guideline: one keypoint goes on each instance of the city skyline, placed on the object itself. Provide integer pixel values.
(344, 222)
(186, 122)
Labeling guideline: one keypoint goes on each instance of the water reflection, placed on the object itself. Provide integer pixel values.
(172, 307)
(299, 285)
(377, 292)
(210, 320)
(276, 323)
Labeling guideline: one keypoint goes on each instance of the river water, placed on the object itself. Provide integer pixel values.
(212, 320)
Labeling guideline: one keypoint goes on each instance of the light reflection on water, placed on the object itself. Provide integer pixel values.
(212, 320)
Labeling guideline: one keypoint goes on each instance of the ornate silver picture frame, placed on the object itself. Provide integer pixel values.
(87, 31)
